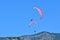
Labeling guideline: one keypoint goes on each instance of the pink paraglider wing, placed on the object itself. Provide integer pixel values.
(31, 23)
(40, 12)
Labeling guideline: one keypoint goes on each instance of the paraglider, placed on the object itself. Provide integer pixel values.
(40, 12)
(35, 31)
(32, 22)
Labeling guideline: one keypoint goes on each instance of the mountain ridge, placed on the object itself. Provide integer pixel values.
(39, 36)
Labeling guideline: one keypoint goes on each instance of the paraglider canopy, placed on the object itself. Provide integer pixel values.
(32, 22)
(40, 12)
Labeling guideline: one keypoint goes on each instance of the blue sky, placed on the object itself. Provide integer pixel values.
(15, 16)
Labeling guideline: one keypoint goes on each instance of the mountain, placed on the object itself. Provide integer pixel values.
(39, 36)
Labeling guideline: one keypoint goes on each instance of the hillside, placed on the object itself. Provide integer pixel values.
(39, 36)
